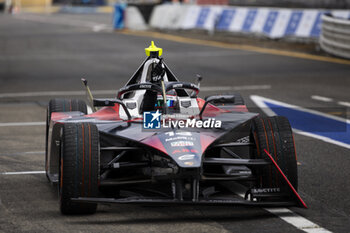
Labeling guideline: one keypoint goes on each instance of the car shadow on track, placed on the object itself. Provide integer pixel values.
(180, 214)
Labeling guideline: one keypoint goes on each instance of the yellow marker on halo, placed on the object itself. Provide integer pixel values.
(152, 48)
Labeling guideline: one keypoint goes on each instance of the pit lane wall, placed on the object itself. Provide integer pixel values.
(270, 22)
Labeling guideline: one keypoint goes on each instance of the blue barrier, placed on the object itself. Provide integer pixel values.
(119, 16)
(271, 22)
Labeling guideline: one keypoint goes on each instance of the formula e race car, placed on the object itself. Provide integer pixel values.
(157, 142)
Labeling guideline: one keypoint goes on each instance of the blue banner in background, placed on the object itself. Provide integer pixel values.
(270, 22)
(293, 22)
(203, 15)
(249, 20)
(316, 29)
(119, 16)
(226, 19)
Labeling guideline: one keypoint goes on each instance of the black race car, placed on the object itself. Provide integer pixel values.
(157, 142)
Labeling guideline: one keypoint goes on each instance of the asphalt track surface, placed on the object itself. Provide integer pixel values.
(48, 55)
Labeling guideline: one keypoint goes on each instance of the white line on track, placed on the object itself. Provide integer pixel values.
(22, 124)
(101, 27)
(22, 153)
(34, 152)
(107, 92)
(96, 27)
(325, 139)
(321, 98)
(346, 104)
(237, 88)
(327, 99)
(22, 173)
(296, 220)
(52, 93)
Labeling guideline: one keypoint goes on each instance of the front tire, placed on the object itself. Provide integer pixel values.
(275, 135)
(79, 167)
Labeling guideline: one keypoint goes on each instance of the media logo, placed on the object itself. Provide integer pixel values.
(151, 120)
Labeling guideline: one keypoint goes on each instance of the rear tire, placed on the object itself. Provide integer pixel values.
(275, 135)
(79, 167)
(60, 105)
(66, 105)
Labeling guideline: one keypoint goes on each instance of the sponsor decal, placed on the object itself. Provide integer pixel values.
(181, 143)
(243, 140)
(179, 136)
(265, 190)
(188, 163)
(186, 157)
(146, 86)
(171, 134)
(175, 138)
(184, 150)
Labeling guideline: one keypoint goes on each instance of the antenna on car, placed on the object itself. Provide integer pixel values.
(89, 94)
(198, 80)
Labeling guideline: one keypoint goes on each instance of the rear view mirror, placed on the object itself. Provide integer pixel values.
(220, 99)
(111, 102)
(217, 99)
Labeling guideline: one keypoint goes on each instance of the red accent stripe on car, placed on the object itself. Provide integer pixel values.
(210, 110)
(107, 113)
(286, 179)
(56, 116)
